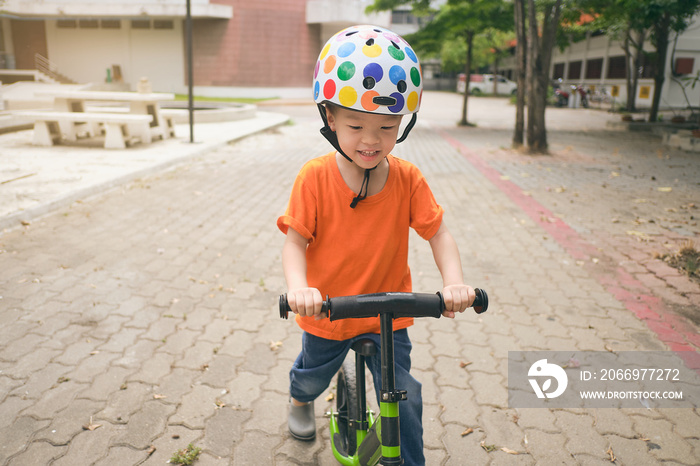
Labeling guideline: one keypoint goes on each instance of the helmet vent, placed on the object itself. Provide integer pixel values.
(384, 100)
(351, 33)
(369, 82)
(394, 44)
(401, 86)
(370, 42)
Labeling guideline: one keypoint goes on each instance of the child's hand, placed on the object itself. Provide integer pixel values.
(306, 302)
(457, 298)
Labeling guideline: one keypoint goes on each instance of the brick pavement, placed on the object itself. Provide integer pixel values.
(150, 310)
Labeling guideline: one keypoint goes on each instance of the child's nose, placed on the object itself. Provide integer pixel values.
(370, 137)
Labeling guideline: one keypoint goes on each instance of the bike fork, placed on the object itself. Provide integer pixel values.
(389, 397)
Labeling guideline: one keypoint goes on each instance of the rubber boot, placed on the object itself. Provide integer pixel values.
(302, 421)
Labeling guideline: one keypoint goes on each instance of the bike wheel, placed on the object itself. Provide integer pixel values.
(346, 406)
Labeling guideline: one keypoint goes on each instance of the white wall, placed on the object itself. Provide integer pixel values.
(84, 55)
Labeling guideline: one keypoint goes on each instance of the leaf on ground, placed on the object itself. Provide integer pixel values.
(464, 364)
(330, 397)
(467, 432)
(91, 426)
(612, 455)
(638, 234)
(509, 451)
(158, 396)
(274, 345)
(664, 189)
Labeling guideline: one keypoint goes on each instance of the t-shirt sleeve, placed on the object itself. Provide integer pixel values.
(301, 210)
(426, 213)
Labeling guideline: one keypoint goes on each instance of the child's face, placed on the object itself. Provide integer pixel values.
(367, 138)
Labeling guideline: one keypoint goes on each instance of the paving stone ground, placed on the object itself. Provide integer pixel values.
(141, 320)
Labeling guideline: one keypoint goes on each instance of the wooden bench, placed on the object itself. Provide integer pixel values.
(48, 127)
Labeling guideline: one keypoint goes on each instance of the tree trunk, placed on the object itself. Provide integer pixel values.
(633, 62)
(629, 70)
(468, 73)
(661, 34)
(539, 59)
(638, 63)
(521, 71)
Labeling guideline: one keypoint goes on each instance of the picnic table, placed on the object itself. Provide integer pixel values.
(143, 119)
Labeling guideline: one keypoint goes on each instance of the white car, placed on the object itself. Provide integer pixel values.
(483, 84)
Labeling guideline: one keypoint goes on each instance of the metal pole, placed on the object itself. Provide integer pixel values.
(190, 77)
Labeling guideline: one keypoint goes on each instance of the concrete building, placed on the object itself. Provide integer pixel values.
(597, 62)
(260, 48)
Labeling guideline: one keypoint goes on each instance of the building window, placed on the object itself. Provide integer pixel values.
(140, 24)
(616, 67)
(558, 71)
(684, 66)
(66, 24)
(648, 68)
(88, 24)
(162, 24)
(574, 70)
(110, 24)
(594, 68)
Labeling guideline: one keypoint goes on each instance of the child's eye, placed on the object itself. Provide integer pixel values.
(387, 127)
(355, 127)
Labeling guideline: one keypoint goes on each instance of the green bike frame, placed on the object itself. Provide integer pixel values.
(377, 440)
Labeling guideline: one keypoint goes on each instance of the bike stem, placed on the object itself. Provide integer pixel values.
(389, 396)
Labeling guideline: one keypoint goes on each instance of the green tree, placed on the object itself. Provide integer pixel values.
(634, 22)
(456, 20)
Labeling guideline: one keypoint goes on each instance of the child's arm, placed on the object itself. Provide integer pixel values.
(303, 300)
(456, 294)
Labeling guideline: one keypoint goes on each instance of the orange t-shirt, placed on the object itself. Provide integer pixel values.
(361, 250)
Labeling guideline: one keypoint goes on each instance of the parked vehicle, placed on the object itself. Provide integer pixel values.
(563, 98)
(483, 84)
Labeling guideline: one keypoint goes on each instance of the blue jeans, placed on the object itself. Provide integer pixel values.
(320, 360)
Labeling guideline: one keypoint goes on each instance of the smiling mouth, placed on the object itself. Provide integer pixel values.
(368, 153)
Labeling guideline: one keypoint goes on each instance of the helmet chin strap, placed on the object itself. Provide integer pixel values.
(332, 137)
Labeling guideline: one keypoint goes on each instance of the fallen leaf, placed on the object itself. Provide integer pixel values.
(464, 364)
(467, 432)
(638, 234)
(91, 426)
(274, 345)
(509, 451)
(665, 189)
(158, 396)
(330, 397)
(614, 174)
(219, 404)
(151, 450)
(612, 455)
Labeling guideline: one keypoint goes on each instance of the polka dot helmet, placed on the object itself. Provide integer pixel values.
(370, 69)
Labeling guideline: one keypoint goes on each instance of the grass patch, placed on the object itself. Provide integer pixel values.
(186, 456)
(687, 259)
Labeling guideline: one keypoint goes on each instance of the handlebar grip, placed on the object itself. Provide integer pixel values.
(285, 309)
(481, 302)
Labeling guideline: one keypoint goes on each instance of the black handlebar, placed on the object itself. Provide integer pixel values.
(397, 304)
